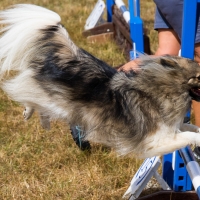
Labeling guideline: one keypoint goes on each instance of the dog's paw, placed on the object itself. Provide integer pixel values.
(27, 113)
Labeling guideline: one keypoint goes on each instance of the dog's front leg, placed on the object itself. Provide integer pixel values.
(154, 146)
(190, 127)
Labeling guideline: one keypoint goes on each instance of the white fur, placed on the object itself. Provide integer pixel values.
(48, 105)
(22, 25)
(19, 36)
(167, 138)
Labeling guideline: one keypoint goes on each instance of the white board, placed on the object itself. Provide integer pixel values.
(95, 15)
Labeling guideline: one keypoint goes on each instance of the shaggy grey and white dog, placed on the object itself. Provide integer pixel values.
(140, 112)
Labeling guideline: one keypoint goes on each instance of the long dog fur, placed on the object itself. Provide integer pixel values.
(140, 112)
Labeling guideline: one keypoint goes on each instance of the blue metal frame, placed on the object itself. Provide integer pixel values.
(136, 26)
(182, 181)
(192, 167)
(167, 170)
(177, 178)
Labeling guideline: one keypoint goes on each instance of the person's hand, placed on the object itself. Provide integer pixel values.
(132, 65)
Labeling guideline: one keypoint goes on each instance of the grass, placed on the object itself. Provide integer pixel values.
(37, 164)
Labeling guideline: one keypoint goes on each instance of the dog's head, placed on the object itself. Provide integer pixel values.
(194, 83)
(173, 71)
(191, 72)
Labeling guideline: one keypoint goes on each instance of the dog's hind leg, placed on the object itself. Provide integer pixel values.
(28, 112)
(45, 121)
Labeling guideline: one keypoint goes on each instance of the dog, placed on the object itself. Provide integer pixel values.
(139, 112)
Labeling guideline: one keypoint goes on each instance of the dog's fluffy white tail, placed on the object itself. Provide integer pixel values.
(21, 24)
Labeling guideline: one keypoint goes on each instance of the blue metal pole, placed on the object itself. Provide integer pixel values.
(135, 4)
(136, 26)
(168, 171)
(109, 4)
(188, 28)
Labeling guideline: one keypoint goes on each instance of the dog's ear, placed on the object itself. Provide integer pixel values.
(176, 62)
(167, 62)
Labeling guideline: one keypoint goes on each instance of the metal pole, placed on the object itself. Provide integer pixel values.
(192, 167)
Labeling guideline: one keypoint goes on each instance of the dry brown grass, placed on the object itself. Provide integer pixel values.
(47, 165)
